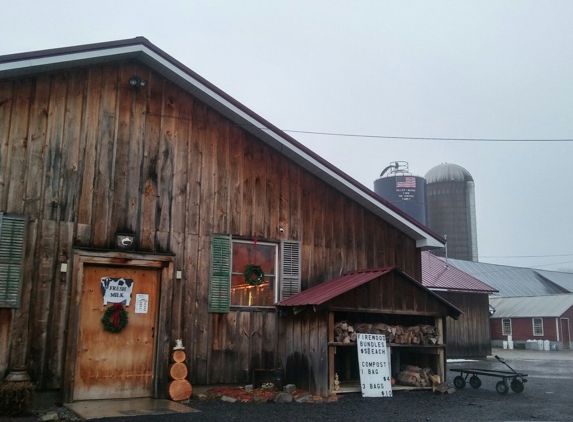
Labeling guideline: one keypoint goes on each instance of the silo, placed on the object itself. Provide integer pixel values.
(403, 189)
(450, 192)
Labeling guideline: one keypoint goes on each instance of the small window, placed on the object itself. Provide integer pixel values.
(537, 326)
(506, 327)
(260, 254)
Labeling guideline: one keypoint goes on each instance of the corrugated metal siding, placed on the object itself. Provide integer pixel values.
(436, 275)
(539, 306)
(510, 281)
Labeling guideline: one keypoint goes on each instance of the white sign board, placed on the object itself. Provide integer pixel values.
(141, 303)
(116, 290)
(374, 365)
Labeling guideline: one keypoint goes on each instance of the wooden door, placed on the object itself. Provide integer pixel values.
(565, 334)
(115, 365)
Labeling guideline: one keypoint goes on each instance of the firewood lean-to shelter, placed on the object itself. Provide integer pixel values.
(120, 163)
(383, 295)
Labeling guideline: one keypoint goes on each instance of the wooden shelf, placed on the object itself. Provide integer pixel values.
(390, 345)
(423, 346)
(354, 387)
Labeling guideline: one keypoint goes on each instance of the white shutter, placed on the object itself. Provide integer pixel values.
(290, 268)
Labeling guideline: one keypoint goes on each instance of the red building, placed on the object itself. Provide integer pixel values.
(532, 318)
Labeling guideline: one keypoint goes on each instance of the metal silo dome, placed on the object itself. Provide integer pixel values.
(450, 195)
(448, 172)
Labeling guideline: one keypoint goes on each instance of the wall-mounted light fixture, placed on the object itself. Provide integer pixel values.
(124, 241)
(137, 81)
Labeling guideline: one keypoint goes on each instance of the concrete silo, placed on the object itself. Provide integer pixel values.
(403, 189)
(450, 193)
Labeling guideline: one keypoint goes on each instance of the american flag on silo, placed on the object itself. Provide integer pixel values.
(406, 182)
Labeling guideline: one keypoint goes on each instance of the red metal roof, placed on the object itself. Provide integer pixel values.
(322, 293)
(436, 275)
(317, 295)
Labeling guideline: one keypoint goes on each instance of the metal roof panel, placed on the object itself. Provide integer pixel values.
(510, 281)
(328, 290)
(437, 275)
(531, 306)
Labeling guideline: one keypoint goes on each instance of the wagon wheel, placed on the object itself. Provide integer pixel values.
(475, 382)
(501, 387)
(517, 386)
(459, 382)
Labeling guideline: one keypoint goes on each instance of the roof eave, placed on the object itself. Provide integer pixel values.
(141, 49)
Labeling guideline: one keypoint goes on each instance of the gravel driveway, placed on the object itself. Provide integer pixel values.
(547, 397)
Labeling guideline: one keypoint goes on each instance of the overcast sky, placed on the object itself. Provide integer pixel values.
(452, 69)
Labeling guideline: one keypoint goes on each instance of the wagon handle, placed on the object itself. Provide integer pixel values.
(502, 360)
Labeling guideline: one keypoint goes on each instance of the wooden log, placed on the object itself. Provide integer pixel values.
(180, 390)
(178, 371)
(363, 328)
(179, 356)
(353, 337)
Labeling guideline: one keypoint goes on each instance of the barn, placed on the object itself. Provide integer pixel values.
(141, 204)
(469, 335)
(532, 318)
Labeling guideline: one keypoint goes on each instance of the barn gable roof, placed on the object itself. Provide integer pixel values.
(322, 293)
(510, 281)
(551, 306)
(139, 48)
(437, 275)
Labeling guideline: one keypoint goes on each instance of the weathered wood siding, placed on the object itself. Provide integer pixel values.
(303, 338)
(468, 336)
(390, 293)
(84, 155)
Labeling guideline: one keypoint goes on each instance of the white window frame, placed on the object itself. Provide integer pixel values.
(503, 330)
(276, 276)
(541, 324)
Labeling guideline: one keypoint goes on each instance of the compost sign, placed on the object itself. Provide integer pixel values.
(374, 365)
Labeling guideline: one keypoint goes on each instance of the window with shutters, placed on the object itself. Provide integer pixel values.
(280, 263)
(537, 326)
(12, 243)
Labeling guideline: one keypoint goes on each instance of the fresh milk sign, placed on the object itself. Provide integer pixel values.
(116, 290)
(374, 365)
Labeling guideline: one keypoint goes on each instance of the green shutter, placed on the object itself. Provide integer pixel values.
(290, 268)
(220, 283)
(12, 243)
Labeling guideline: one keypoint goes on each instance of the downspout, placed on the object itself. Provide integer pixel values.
(557, 327)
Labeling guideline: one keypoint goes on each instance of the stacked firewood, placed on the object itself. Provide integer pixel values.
(397, 334)
(344, 332)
